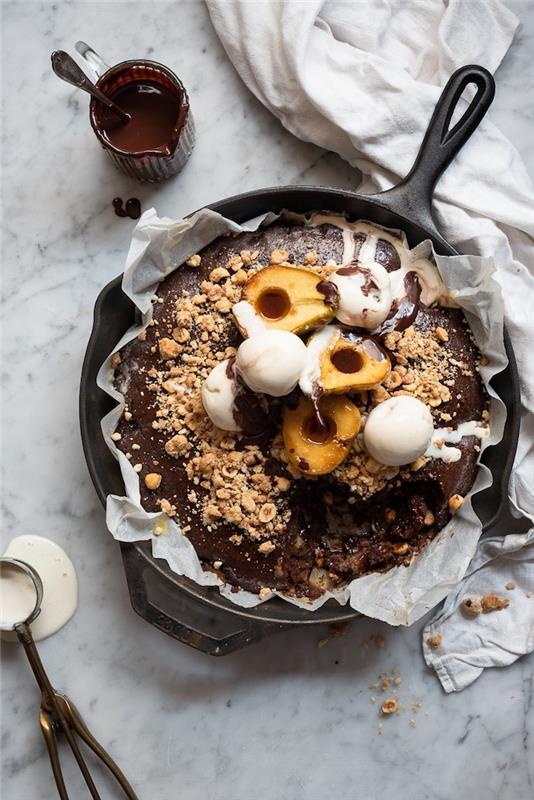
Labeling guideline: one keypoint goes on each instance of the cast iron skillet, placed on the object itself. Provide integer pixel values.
(197, 615)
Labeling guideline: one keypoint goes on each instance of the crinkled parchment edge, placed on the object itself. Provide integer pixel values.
(403, 594)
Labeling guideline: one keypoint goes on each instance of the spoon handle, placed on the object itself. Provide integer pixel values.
(68, 70)
(95, 61)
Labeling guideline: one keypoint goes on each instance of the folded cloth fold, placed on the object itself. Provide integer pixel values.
(459, 644)
(362, 79)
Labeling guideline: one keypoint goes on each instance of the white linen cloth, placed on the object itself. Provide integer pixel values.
(361, 78)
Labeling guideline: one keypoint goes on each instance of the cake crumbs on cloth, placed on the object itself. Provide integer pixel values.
(435, 641)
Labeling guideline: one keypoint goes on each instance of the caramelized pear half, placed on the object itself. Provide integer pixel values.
(288, 298)
(352, 366)
(317, 449)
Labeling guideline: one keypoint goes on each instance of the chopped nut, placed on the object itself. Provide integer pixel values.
(152, 481)
(441, 334)
(390, 515)
(218, 274)
(116, 437)
(390, 706)
(127, 415)
(239, 278)
(429, 518)
(418, 464)
(168, 348)
(167, 508)
(492, 602)
(138, 467)
(267, 512)
(177, 446)
(194, 261)
(223, 305)
(266, 547)
(455, 502)
(278, 256)
(434, 641)
(400, 549)
(472, 606)
(181, 335)
(264, 593)
(115, 360)
(136, 446)
(372, 466)
(217, 564)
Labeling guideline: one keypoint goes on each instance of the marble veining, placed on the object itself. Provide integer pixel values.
(285, 719)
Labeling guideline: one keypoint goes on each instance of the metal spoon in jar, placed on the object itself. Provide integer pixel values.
(68, 70)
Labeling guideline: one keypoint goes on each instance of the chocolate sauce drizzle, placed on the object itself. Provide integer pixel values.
(368, 284)
(329, 291)
(403, 312)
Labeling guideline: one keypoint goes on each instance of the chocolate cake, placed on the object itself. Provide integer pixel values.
(290, 495)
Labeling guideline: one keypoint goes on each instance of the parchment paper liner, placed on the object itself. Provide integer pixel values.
(403, 594)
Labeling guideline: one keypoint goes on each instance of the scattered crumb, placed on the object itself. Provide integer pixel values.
(510, 586)
(322, 642)
(412, 723)
(529, 594)
(435, 641)
(492, 602)
(194, 261)
(472, 606)
(390, 706)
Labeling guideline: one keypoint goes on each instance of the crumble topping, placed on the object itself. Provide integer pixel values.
(231, 481)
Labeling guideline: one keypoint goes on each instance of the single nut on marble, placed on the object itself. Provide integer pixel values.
(390, 706)
(472, 606)
(194, 261)
(152, 481)
(455, 502)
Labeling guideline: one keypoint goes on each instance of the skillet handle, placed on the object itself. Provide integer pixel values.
(412, 197)
(183, 617)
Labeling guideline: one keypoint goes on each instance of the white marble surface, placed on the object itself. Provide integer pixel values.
(282, 720)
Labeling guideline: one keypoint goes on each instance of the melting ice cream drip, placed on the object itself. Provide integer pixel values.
(444, 436)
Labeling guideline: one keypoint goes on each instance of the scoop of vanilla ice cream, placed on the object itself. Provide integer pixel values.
(365, 294)
(219, 391)
(398, 431)
(271, 361)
